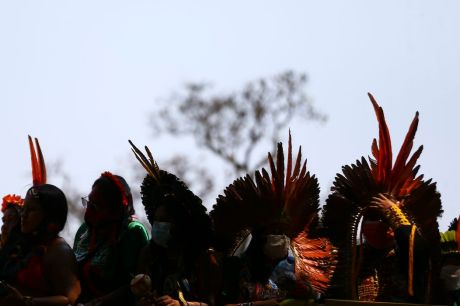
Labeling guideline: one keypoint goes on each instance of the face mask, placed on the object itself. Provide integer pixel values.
(161, 233)
(100, 218)
(276, 246)
(451, 276)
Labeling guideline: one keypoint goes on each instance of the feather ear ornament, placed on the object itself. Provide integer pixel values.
(38, 163)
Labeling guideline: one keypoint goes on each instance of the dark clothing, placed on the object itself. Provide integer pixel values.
(110, 265)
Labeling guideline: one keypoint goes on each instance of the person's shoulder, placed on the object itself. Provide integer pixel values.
(59, 249)
(136, 230)
(136, 224)
(81, 229)
(59, 243)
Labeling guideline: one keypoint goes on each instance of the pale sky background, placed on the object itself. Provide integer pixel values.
(83, 76)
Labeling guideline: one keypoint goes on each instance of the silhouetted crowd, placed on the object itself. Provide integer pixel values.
(266, 240)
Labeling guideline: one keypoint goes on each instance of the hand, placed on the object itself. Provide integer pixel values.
(166, 300)
(148, 300)
(394, 216)
(381, 202)
(12, 298)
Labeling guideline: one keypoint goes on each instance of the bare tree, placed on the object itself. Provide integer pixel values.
(235, 126)
(191, 172)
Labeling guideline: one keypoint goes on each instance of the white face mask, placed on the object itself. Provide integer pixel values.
(276, 246)
(161, 233)
(451, 276)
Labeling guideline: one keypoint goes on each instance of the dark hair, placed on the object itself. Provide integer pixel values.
(114, 193)
(53, 202)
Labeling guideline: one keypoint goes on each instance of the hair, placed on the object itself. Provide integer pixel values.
(53, 202)
(114, 194)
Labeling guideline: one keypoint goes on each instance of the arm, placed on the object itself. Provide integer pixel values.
(209, 276)
(412, 250)
(401, 226)
(61, 273)
(131, 245)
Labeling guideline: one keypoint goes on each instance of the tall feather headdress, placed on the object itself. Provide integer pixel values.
(287, 199)
(160, 186)
(358, 183)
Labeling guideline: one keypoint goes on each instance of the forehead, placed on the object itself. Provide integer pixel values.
(103, 190)
(10, 211)
(98, 192)
(162, 214)
(31, 201)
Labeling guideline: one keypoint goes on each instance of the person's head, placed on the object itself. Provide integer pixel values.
(167, 224)
(45, 210)
(377, 233)
(110, 200)
(176, 214)
(11, 209)
(270, 243)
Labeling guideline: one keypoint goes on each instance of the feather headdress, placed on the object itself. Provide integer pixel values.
(288, 200)
(354, 188)
(160, 186)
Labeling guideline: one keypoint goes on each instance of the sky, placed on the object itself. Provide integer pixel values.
(84, 76)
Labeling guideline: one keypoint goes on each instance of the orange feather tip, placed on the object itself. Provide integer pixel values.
(37, 161)
(11, 200)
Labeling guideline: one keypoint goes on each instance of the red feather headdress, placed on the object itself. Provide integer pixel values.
(287, 199)
(354, 188)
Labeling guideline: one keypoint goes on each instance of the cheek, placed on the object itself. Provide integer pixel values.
(32, 220)
(12, 221)
(8, 225)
